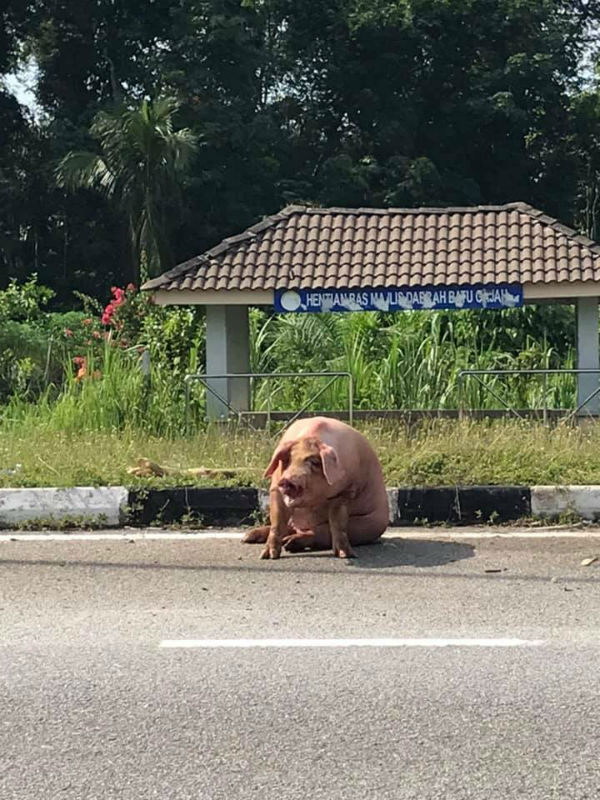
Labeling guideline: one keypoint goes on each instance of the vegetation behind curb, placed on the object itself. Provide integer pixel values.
(432, 453)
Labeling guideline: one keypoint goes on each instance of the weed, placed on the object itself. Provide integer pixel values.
(569, 517)
(65, 523)
(433, 453)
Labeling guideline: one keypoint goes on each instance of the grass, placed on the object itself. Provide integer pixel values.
(397, 361)
(440, 452)
(88, 431)
(414, 360)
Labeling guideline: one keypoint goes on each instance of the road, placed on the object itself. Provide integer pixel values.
(94, 705)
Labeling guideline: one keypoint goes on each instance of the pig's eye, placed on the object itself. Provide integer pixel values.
(314, 461)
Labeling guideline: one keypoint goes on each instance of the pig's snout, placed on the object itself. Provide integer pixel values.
(289, 489)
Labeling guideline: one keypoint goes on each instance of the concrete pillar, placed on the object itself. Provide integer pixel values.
(227, 350)
(587, 352)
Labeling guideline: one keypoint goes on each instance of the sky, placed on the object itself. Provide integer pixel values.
(22, 83)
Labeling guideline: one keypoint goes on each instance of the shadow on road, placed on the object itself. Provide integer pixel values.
(410, 553)
(381, 555)
(410, 556)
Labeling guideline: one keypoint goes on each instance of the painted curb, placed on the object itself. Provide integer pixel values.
(219, 506)
(552, 501)
(113, 506)
(104, 505)
(461, 505)
(407, 505)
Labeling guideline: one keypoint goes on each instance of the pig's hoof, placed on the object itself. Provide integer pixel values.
(344, 552)
(271, 551)
(298, 542)
(256, 535)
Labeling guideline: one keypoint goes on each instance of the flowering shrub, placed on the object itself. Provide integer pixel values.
(126, 313)
(81, 363)
(42, 350)
(119, 298)
(76, 331)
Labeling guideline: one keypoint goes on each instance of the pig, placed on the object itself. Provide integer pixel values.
(327, 491)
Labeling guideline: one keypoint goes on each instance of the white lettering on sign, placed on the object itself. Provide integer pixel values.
(407, 299)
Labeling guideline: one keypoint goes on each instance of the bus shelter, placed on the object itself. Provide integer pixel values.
(311, 260)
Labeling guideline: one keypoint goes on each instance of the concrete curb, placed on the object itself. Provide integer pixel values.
(552, 501)
(219, 506)
(462, 505)
(104, 504)
(113, 506)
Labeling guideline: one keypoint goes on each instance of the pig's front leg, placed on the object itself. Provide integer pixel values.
(279, 516)
(338, 525)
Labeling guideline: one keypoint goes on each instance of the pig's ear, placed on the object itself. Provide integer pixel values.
(332, 469)
(280, 453)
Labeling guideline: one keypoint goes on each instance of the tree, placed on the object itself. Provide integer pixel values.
(335, 102)
(142, 162)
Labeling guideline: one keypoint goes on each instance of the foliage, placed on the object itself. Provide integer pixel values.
(105, 391)
(25, 302)
(45, 355)
(414, 360)
(386, 102)
(24, 353)
(140, 166)
(25, 357)
(173, 336)
(403, 360)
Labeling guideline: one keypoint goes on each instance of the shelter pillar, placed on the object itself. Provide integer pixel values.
(227, 351)
(587, 353)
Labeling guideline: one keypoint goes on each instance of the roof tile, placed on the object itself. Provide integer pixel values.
(343, 247)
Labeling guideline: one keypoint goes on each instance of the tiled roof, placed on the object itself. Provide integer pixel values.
(325, 248)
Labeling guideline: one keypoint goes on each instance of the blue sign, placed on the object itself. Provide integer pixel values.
(427, 298)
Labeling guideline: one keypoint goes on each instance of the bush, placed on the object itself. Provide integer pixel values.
(82, 367)
(25, 355)
(24, 303)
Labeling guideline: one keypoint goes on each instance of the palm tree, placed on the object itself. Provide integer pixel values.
(140, 167)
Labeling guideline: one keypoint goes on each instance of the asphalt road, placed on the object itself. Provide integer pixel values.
(91, 705)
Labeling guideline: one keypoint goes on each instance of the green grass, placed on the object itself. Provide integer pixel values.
(413, 361)
(433, 453)
(88, 432)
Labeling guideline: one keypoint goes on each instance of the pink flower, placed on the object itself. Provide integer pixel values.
(68, 332)
(107, 315)
(86, 321)
(118, 294)
(130, 287)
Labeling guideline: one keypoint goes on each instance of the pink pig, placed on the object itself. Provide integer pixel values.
(327, 490)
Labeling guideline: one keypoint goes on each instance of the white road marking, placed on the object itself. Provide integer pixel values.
(436, 534)
(519, 534)
(52, 536)
(301, 643)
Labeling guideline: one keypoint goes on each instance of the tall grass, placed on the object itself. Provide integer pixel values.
(402, 361)
(413, 361)
(114, 395)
